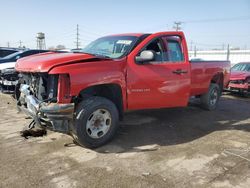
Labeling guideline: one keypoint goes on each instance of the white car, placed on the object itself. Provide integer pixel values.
(8, 75)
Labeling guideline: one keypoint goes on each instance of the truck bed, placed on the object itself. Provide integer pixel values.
(203, 71)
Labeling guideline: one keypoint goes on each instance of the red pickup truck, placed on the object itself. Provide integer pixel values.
(86, 94)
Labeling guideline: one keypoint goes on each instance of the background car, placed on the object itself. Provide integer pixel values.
(8, 75)
(19, 54)
(7, 51)
(240, 78)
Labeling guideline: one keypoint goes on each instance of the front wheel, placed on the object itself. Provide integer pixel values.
(96, 122)
(210, 100)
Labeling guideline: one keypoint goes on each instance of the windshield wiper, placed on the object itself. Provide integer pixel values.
(96, 55)
(102, 56)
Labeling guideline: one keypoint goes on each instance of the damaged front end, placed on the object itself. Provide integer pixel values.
(8, 80)
(37, 97)
(242, 86)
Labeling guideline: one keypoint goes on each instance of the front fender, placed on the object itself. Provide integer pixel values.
(84, 75)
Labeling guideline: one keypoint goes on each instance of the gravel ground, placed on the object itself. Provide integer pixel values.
(181, 147)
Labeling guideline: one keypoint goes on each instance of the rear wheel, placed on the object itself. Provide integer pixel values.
(210, 100)
(96, 122)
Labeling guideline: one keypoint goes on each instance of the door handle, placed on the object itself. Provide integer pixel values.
(180, 71)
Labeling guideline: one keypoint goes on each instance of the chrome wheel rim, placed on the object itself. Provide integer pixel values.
(214, 97)
(98, 123)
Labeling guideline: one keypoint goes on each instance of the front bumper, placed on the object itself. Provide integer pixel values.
(54, 116)
(8, 81)
(7, 86)
(239, 87)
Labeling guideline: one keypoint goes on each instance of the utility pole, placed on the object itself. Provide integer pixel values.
(8, 44)
(228, 52)
(177, 26)
(191, 45)
(77, 37)
(20, 44)
(195, 51)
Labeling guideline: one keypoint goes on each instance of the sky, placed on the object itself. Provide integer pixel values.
(207, 24)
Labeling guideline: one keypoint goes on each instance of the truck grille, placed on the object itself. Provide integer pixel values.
(237, 81)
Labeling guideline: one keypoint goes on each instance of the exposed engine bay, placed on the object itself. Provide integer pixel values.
(36, 95)
(40, 85)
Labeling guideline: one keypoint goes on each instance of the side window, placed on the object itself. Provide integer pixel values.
(174, 51)
(156, 46)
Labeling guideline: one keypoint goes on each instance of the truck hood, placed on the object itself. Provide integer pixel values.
(46, 61)
(7, 65)
(239, 75)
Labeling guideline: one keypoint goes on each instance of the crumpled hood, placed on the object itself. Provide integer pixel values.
(239, 75)
(46, 61)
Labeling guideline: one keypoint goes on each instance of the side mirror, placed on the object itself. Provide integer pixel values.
(146, 55)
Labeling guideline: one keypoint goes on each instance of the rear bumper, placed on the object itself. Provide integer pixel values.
(53, 116)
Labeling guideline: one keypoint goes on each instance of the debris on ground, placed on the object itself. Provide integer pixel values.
(33, 131)
(146, 173)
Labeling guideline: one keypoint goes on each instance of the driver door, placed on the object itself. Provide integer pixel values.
(159, 83)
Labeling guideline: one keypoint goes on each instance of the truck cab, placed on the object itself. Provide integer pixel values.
(164, 80)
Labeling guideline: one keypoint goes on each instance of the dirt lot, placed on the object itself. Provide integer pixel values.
(185, 147)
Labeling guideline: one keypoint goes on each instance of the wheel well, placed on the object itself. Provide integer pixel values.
(218, 79)
(112, 92)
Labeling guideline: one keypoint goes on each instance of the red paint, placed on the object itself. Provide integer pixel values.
(143, 86)
(239, 75)
(46, 61)
(202, 73)
(63, 89)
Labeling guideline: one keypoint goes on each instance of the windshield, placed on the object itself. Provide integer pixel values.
(241, 67)
(12, 55)
(111, 47)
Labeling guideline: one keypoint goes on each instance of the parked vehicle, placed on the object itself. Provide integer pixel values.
(20, 54)
(7, 51)
(240, 78)
(8, 74)
(86, 94)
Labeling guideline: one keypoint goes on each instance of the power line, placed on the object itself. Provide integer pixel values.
(228, 19)
(20, 44)
(202, 44)
(91, 33)
(219, 19)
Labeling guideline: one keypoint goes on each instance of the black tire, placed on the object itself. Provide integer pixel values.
(84, 112)
(210, 100)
